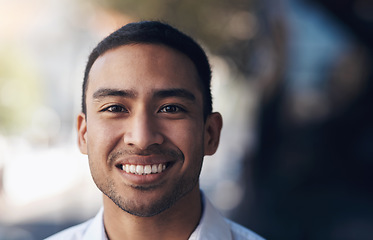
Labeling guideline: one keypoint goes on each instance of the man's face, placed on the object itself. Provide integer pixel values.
(144, 131)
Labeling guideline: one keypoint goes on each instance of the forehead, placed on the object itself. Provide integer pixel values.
(143, 68)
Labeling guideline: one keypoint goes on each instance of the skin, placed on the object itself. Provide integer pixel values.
(145, 106)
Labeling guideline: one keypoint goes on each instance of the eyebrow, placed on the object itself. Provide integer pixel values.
(107, 92)
(175, 92)
(164, 93)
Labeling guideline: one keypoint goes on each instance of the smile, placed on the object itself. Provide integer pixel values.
(143, 169)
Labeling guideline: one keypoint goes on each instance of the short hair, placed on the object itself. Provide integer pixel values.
(155, 32)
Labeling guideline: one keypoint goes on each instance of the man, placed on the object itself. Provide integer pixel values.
(146, 124)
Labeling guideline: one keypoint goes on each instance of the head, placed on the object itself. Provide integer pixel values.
(147, 121)
(153, 32)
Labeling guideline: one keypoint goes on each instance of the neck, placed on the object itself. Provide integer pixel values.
(177, 222)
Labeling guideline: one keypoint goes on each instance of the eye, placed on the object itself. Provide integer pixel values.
(171, 109)
(115, 109)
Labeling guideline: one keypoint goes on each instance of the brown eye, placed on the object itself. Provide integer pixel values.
(115, 109)
(171, 109)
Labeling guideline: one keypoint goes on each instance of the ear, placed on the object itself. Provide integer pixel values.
(213, 125)
(82, 133)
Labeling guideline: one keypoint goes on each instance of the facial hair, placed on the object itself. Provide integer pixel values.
(132, 206)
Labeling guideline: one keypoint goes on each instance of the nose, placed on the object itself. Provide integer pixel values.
(142, 131)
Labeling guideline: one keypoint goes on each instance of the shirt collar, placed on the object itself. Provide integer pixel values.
(96, 230)
(212, 224)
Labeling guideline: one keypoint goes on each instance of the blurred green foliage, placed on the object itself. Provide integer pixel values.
(224, 26)
(19, 90)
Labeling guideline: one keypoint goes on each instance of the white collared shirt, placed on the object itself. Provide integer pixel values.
(212, 226)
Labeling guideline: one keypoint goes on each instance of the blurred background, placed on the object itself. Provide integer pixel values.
(292, 79)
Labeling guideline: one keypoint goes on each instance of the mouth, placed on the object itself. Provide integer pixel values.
(144, 169)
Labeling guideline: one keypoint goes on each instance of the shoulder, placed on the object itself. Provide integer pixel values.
(90, 230)
(214, 226)
(241, 233)
(73, 233)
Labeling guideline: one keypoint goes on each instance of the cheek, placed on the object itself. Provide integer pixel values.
(189, 138)
(101, 138)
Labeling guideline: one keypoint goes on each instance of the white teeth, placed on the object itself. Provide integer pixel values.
(139, 169)
(147, 169)
(154, 168)
(132, 169)
(144, 170)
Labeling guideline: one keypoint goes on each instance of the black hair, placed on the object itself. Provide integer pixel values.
(155, 32)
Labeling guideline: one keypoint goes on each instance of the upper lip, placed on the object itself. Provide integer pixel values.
(143, 160)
